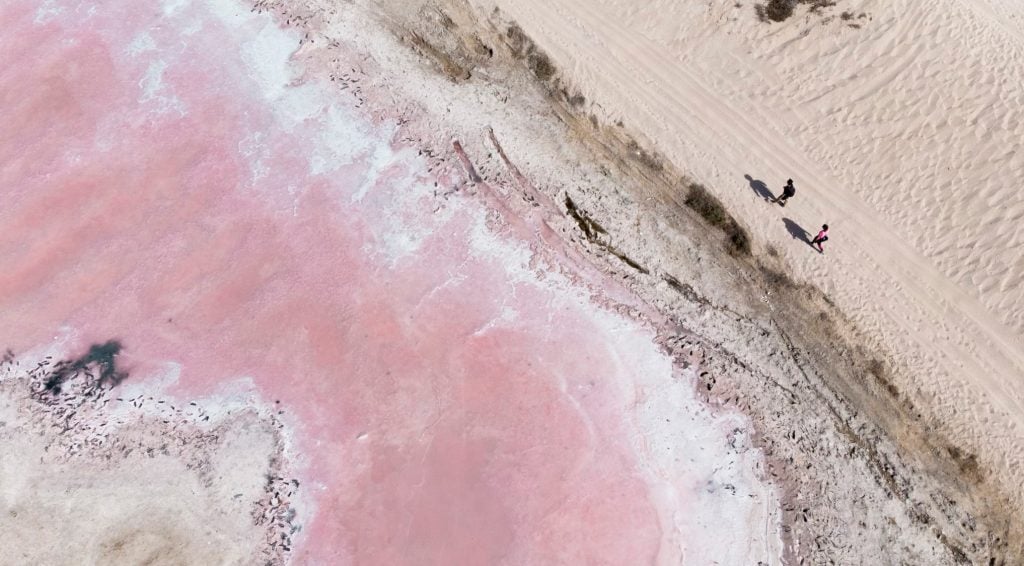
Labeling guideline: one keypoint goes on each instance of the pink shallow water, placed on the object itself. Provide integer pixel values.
(434, 426)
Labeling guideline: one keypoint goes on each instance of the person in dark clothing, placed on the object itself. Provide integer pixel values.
(787, 192)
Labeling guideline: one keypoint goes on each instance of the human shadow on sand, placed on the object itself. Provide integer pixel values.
(759, 188)
(797, 231)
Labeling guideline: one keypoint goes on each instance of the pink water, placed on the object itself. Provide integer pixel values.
(448, 406)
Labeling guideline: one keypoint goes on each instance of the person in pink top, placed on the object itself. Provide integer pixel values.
(821, 238)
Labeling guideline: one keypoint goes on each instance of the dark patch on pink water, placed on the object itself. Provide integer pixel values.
(101, 358)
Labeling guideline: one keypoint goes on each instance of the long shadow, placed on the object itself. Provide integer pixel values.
(797, 232)
(759, 188)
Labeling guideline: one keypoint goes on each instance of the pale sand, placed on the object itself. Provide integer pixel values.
(903, 134)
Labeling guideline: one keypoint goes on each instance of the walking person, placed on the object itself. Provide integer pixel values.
(787, 193)
(821, 238)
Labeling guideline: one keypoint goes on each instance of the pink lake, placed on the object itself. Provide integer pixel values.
(170, 182)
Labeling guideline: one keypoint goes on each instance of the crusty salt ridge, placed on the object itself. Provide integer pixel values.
(834, 462)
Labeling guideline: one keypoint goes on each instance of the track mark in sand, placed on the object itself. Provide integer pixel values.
(731, 125)
(999, 13)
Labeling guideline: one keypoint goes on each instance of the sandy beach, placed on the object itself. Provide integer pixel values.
(901, 127)
(495, 282)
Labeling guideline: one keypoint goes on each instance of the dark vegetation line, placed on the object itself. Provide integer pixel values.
(714, 213)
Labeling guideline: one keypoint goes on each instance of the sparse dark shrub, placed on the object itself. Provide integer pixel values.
(649, 160)
(713, 212)
(777, 280)
(780, 10)
(706, 205)
(776, 10)
(966, 461)
(541, 66)
(739, 241)
(876, 367)
(517, 40)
